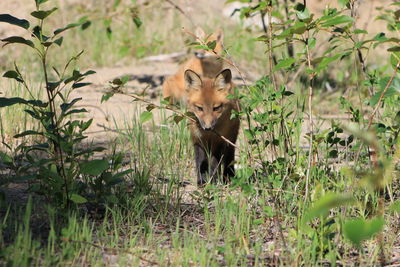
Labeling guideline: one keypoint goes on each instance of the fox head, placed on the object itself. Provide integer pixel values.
(216, 36)
(207, 97)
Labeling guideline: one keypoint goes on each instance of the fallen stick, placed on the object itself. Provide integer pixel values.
(165, 57)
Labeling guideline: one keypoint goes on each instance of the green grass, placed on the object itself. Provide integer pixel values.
(234, 225)
(14, 120)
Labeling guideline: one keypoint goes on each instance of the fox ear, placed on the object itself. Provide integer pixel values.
(200, 33)
(223, 81)
(192, 80)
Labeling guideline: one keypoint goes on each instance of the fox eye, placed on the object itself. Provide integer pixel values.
(217, 108)
(199, 108)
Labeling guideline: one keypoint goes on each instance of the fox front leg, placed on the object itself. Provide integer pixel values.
(201, 165)
(228, 163)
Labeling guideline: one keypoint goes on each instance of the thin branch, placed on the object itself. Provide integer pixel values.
(181, 11)
(371, 118)
(173, 109)
(310, 116)
(114, 250)
(262, 15)
(383, 94)
(271, 56)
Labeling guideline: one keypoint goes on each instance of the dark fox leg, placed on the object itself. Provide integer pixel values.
(201, 164)
(215, 164)
(228, 160)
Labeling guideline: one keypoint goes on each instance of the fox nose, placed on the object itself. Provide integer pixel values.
(207, 127)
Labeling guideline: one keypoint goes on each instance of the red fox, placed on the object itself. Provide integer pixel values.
(205, 63)
(207, 99)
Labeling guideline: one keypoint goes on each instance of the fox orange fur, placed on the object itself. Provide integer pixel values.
(208, 99)
(203, 62)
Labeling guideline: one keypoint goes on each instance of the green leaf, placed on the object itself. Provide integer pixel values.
(76, 111)
(6, 102)
(326, 60)
(13, 75)
(29, 132)
(137, 22)
(117, 82)
(109, 32)
(211, 45)
(395, 59)
(42, 14)
(18, 40)
(312, 42)
(33, 114)
(327, 202)
(298, 28)
(53, 85)
(333, 153)
(38, 33)
(359, 31)
(77, 199)
(86, 125)
(5, 158)
(177, 118)
(86, 25)
(302, 11)
(39, 2)
(394, 49)
(14, 21)
(123, 173)
(114, 181)
(375, 98)
(79, 85)
(337, 20)
(94, 167)
(69, 26)
(89, 72)
(343, 3)
(391, 91)
(59, 41)
(284, 64)
(106, 97)
(145, 116)
(358, 230)
(150, 107)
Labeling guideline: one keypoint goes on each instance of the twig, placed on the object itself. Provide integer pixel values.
(262, 15)
(181, 11)
(173, 109)
(371, 118)
(383, 94)
(225, 139)
(96, 107)
(169, 107)
(271, 56)
(355, 39)
(109, 249)
(165, 57)
(310, 115)
(111, 130)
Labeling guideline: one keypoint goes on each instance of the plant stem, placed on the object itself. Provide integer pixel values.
(270, 52)
(310, 116)
(371, 118)
(54, 125)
